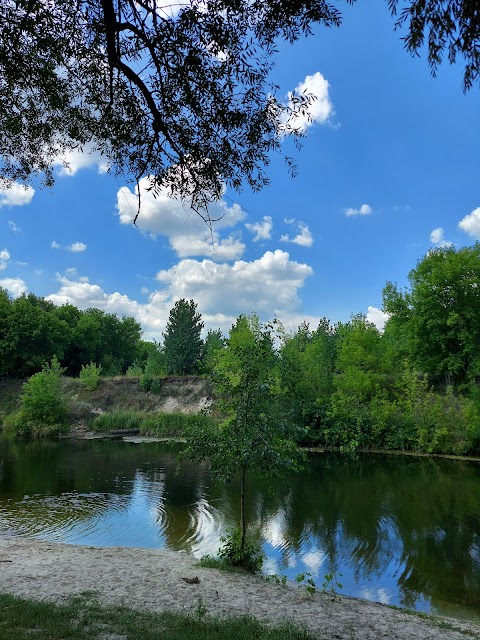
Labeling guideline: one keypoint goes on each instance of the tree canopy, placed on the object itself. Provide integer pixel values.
(438, 320)
(183, 346)
(182, 97)
(180, 93)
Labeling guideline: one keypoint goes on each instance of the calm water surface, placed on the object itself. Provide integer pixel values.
(399, 530)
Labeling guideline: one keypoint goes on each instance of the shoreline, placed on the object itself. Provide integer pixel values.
(154, 580)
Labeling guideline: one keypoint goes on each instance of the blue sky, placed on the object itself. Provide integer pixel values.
(388, 171)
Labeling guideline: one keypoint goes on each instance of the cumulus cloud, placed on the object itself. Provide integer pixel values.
(187, 233)
(266, 285)
(16, 195)
(437, 237)
(54, 245)
(71, 162)
(377, 317)
(319, 110)
(269, 285)
(364, 210)
(76, 247)
(304, 236)
(15, 286)
(471, 224)
(4, 258)
(262, 230)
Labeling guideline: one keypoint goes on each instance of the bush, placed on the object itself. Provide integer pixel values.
(447, 423)
(43, 409)
(135, 370)
(231, 553)
(90, 375)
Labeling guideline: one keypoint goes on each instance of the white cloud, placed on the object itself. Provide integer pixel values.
(71, 272)
(54, 245)
(437, 237)
(13, 227)
(471, 224)
(72, 161)
(76, 247)
(269, 285)
(187, 233)
(4, 258)
(262, 230)
(16, 195)
(304, 236)
(319, 110)
(377, 317)
(15, 286)
(364, 210)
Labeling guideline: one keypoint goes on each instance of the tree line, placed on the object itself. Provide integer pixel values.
(345, 385)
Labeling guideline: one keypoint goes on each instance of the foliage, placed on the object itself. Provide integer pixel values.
(253, 437)
(450, 28)
(214, 342)
(274, 578)
(331, 584)
(135, 370)
(43, 409)
(183, 345)
(33, 330)
(306, 367)
(90, 375)
(200, 114)
(305, 581)
(437, 321)
(235, 554)
(155, 368)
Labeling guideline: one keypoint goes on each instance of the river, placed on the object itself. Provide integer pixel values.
(401, 530)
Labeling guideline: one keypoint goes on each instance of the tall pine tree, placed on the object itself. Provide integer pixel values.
(182, 342)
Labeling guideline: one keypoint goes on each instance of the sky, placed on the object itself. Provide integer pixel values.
(388, 171)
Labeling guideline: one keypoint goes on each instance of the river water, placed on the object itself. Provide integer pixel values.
(401, 530)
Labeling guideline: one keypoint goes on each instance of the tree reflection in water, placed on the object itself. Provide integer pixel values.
(400, 529)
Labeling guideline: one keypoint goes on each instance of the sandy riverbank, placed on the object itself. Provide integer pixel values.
(152, 580)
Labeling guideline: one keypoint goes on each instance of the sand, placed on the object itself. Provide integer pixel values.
(152, 580)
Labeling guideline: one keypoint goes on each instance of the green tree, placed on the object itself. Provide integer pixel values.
(6, 353)
(181, 94)
(307, 364)
(184, 98)
(253, 437)
(34, 335)
(437, 321)
(363, 380)
(214, 342)
(183, 345)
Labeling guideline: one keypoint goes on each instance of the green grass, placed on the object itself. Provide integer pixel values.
(81, 618)
(152, 424)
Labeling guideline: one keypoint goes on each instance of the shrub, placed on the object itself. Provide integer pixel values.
(90, 375)
(43, 409)
(231, 553)
(135, 370)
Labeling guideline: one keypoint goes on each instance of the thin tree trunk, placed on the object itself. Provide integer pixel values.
(242, 510)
